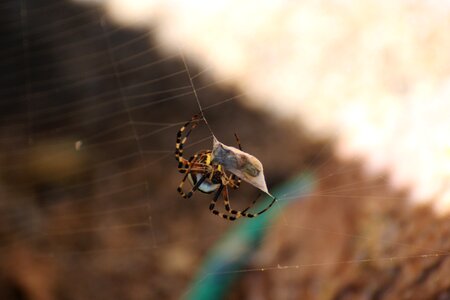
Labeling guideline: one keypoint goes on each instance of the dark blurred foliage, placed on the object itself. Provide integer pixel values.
(105, 222)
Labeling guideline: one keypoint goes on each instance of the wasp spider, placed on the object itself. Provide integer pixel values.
(208, 176)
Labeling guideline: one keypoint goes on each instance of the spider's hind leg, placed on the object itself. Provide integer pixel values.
(194, 188)
(233, 213)
(226, 202)
(249, 215)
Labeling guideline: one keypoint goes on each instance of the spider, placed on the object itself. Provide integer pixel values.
(208, 176)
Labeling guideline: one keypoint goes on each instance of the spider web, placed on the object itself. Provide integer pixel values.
(89, 113)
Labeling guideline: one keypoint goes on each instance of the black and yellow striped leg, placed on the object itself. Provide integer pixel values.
(180, 141)
(213, 204)
(223, 190)
(248, 215)
(228, 208)
(186, 165)
(194, 188)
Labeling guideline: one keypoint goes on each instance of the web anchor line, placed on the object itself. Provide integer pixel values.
(195, 93)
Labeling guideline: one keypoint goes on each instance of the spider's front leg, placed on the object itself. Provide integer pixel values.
(194, 168)
(182, 162)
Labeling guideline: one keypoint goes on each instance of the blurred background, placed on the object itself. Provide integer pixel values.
(351, 95)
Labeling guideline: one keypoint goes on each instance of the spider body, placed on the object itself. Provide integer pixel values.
(210, 184)
(207, 186)
(206, 173)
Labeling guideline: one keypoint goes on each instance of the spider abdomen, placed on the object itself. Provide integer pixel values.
(206, 187)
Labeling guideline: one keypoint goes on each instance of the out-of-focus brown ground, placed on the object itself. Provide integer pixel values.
(352, 239)
(96, 224)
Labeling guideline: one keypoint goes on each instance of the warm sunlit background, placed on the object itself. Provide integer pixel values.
(354, 95)
(372, 75)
